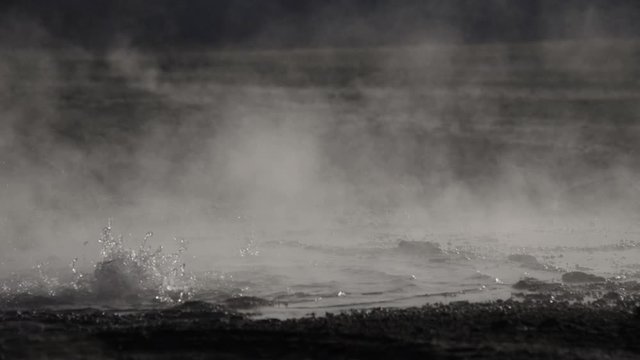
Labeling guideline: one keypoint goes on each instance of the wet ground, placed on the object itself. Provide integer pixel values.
(530, 329)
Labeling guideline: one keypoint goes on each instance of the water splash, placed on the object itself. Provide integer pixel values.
(251, 247)
(121, 275)
(133, 274)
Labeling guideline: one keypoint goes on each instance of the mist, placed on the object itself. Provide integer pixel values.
(436, 134)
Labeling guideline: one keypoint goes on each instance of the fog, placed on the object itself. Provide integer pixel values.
(212, 145)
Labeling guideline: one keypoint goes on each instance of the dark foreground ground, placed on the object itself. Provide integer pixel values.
(529, 329)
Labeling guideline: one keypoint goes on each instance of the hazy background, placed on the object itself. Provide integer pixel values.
(196, 118)
(304, 23)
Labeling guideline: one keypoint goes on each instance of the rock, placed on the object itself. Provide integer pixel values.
(246, 302)
(420, 247)
(612, 296)
(576, 277)
(197, 306)
(528, 261)
(533, 284)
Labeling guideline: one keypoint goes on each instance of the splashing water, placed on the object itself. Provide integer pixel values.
(124, 273)
(121, 275)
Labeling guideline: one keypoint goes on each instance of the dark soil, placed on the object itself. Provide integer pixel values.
(526, 329)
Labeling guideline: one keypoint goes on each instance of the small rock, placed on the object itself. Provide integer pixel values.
(613, 296)
(246, 302)
(197, 306)
(533, 284)
(575, 277)
(420, 247)
(528, 261)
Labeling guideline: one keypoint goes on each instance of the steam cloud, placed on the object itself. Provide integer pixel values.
(469, 137)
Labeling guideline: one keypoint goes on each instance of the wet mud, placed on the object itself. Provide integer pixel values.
(529, 328)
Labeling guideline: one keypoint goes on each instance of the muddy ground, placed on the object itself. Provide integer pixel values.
(524, 329)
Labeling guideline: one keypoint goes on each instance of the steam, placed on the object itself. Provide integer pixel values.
(442, 137)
